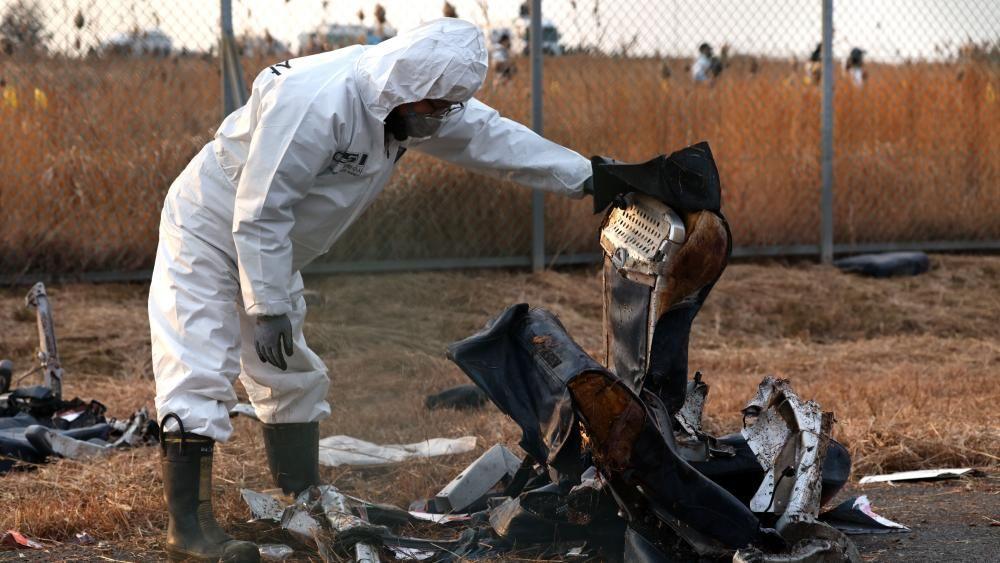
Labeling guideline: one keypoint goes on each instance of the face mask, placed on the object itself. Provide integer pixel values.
(418, 126)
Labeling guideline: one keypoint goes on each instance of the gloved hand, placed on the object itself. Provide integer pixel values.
(273, 335)
(605, 188)
(588, 186)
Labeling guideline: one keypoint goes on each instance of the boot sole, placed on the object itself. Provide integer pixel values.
(243, 554)
(174, 554)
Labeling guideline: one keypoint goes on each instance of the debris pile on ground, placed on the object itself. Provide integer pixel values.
(340, 528)
(37, 423)
(622, 473)
(616, 464)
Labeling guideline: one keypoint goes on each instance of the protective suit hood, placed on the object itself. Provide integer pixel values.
(444, 59)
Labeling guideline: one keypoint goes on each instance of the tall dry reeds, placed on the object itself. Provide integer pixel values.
(917, 157)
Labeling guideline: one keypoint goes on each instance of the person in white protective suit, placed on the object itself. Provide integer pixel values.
(284, 177)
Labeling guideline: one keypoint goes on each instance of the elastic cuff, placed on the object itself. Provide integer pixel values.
(270, 308)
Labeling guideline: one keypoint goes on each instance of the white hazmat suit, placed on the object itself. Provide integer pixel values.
(284, 177)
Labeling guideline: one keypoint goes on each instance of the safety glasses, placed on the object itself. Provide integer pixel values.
(444, 108)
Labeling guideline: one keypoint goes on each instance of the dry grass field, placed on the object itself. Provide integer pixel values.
(85, 172)
(911, 368)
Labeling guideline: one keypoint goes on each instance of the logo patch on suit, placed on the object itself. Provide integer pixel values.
(352, 163)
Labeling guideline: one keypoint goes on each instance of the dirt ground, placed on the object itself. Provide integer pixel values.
(909, 366)
(950, 520)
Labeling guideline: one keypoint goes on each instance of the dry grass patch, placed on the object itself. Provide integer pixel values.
(909, 366)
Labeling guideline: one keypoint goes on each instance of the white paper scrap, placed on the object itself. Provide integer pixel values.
(345, 450)
(926, 474)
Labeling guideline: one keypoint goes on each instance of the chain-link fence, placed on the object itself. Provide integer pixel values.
(916, 84)
(917, 145)
(104, 103)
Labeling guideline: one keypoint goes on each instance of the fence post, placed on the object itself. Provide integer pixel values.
(537, 196)
(826, 143)
(234, 88)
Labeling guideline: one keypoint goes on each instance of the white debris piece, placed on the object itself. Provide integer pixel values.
(481, 477)
(345, 450)
(301, 524)
(410, 553)
(335, 508)
(364, 553)
(262, 507)
(924, 475)
(440, 518)
(275, 552)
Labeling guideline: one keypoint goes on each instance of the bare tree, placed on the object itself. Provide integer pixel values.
(22, 29)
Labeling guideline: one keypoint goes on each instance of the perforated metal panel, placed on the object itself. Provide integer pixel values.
(639, 230)
(641, 237)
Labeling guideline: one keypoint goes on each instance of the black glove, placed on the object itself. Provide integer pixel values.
(271, 336)
(590, 186)
(596, 185)
(686, 180)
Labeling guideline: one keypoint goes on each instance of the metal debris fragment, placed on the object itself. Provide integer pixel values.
(315, 511)
(48, 355)
(690, 414)
(335, 509)
(440, 518)
(364, 553)
(789, 437)
(411, 553)
(301, 524)
(642, 237)
(921, 475)
(53, 442)
(262, 507)
(488, 474)
(275, 551)
(17, 540)
(855, 516)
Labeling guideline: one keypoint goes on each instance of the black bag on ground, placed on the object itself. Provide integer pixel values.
(886, 265)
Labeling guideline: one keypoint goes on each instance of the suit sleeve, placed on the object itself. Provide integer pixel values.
(480, 139)
(293, 141)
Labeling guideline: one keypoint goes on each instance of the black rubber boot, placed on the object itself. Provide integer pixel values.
(193, 533)
(293, 455)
